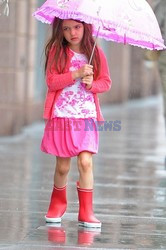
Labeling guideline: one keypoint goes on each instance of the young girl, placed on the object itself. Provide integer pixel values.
(71, 102)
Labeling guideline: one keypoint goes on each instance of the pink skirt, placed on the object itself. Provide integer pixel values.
(68, 137)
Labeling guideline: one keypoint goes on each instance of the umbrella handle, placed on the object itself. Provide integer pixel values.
(94, 46)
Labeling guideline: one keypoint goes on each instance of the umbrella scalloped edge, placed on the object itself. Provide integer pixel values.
(46, 15)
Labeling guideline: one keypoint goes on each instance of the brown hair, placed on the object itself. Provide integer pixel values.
(58, 41)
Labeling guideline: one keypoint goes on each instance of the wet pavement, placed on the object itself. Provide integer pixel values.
(130, 186)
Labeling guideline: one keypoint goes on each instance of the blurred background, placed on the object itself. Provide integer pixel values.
(22, 84)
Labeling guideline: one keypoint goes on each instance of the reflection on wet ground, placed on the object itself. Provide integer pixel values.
(130, 187)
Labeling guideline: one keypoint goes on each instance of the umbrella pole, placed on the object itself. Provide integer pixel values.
(94, 46)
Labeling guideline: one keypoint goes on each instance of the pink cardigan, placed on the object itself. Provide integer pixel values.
(57, 82)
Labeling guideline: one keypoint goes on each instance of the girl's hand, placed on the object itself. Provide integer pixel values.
(87, 80)
(85, 70)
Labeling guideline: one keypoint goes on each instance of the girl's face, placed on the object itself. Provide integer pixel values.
(73, 32)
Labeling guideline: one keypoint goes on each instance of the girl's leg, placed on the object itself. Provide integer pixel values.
(85, 191)
(61, 171)
(85, 168)
(58, 202)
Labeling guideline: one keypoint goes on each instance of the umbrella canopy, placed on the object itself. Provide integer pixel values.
(123, 21)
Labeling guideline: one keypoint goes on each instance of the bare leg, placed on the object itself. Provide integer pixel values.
(85, 167)
(61, 171)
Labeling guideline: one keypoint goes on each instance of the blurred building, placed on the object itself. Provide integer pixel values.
(22, 86)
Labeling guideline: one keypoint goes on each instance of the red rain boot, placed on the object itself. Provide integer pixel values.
(86, 216)
(57, 206)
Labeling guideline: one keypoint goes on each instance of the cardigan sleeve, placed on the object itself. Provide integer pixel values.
(58, 81)
(103, 82)
(54, 80)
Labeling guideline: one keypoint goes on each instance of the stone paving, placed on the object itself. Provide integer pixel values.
(130, 186)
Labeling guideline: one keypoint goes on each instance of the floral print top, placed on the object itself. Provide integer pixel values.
(75, 101)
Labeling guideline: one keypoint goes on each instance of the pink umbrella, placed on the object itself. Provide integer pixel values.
(123, 21)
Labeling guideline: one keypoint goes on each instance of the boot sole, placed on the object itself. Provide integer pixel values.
(53, 220)
(89, 224)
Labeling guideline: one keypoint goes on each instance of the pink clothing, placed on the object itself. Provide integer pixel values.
(57, 82)
(75, 101)
(67, 137)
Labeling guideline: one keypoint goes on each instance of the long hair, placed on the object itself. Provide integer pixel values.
(58, 41)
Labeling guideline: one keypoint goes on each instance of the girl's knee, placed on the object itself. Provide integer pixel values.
(62, 170)
(62, 167)
(84, 163)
